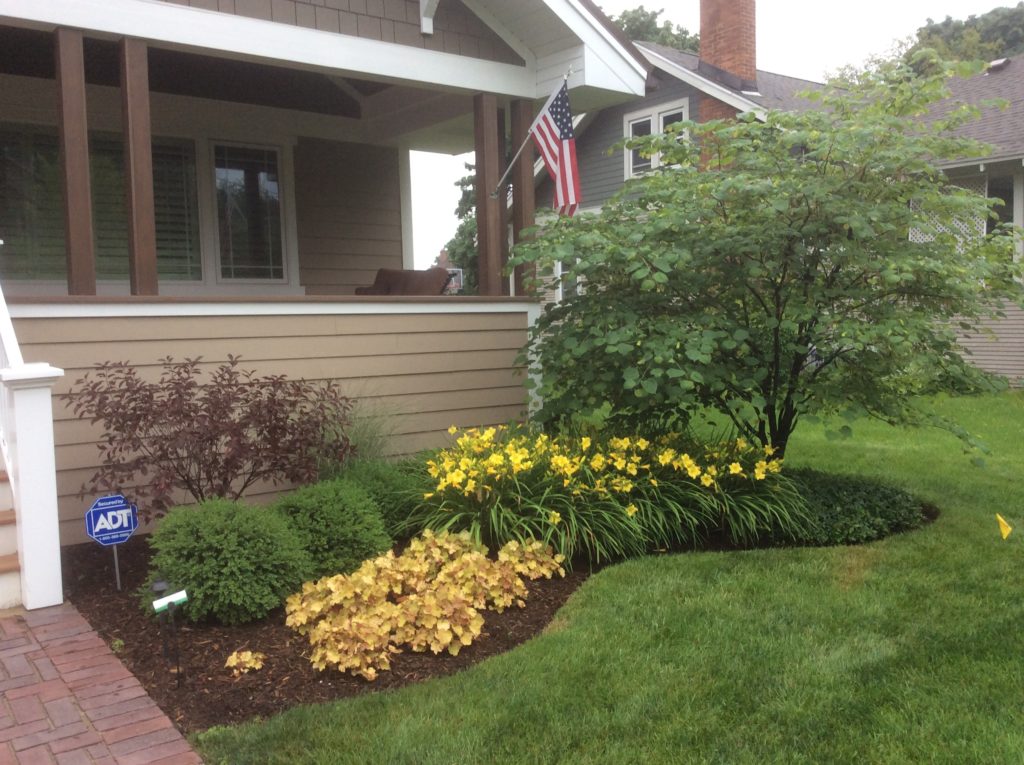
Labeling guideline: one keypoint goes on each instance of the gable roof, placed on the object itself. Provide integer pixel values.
(774, 91)
(1002, 128)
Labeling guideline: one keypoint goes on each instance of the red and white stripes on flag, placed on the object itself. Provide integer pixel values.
(552, 132)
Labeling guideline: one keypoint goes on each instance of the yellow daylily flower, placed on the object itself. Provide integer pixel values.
(554, 517)
(631, 510)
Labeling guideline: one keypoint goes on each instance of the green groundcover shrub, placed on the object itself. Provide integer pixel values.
(396, 487)
(338, 524)
(237, 562)
(851, 509)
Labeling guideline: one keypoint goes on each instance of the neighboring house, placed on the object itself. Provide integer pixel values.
(719, 83)
(213, 177)
(999, 174)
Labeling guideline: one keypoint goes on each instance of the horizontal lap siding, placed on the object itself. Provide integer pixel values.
(1000, 348)
(348, 214)
(420, 373)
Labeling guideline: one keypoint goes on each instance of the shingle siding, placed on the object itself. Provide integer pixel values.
(456, 29)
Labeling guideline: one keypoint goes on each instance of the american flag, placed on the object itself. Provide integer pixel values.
(553, 134)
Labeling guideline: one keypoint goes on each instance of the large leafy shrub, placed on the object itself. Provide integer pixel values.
(430, 596)
(606, 498)
(396, 487)
(338, 524)
(768, 270)
(849, 509)
(236, 562)
(209, 439)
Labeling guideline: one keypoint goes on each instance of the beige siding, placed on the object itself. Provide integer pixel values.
(456, 29)
(348, 214)
(422, 372)
(1000, 348)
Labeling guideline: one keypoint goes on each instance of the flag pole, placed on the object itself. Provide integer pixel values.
(512, 164)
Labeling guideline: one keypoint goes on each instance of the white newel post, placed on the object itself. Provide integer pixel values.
(35, 482)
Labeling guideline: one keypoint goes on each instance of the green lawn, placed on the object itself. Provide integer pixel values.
(907, 650)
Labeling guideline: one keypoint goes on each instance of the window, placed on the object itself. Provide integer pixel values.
(248, 213)
(654, 119)
(32, 208)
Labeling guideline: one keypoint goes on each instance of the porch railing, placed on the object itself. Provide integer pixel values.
(26, 438)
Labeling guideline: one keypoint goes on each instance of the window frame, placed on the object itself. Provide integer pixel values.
(656, 114)
(283, 178)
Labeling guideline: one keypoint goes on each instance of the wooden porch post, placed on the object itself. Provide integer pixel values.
(503, 211)
(74, 162)
(138, 167)
(523, 202)
(488, 214)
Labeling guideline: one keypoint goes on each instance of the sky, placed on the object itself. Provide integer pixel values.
(800, 38)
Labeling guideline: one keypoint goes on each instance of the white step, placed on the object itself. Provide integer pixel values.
(10, 573)
(10, 581)
(8, 532)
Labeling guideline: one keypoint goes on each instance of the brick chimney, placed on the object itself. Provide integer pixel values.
(727, 43)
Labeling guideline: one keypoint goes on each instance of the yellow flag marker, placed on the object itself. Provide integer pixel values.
(1004, 527)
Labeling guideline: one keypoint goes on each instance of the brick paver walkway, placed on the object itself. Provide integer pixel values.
(66, 699)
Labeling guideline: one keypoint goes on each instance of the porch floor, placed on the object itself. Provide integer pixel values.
(66, 699)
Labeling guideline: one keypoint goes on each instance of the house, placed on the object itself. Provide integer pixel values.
(719, 83)
(213, 177)
(998, 174)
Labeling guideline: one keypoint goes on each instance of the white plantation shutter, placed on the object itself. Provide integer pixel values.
(31, 211)
(32, 214)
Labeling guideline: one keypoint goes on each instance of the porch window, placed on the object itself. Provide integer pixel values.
(656, 119)
(32, 208)
(249, 213)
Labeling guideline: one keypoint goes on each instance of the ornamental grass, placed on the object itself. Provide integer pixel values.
(599, 499)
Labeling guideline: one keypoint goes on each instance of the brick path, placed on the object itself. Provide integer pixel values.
(66, 699)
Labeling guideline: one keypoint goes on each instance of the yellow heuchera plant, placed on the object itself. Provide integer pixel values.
(429, 597)
(240, 662)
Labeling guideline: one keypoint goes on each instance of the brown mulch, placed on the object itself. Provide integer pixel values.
(209, 694)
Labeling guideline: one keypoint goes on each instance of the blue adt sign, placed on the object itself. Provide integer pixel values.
(111, 520)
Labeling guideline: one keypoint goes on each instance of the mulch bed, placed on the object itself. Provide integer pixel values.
(209, 694)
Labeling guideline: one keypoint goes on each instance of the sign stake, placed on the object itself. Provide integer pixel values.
(117, 569)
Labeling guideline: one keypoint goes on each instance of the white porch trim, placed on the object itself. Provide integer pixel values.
(308, 307)
(177, 26)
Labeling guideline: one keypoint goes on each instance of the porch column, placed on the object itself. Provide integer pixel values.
(506, 287)
(488, 213)
(138, 167)
(523, 203)
(74, 162)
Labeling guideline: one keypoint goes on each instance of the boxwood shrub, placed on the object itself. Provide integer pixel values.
(396, 487)
(850, 509)
(237, 562)
(338, 524)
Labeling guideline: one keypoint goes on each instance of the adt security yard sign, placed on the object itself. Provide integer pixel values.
(111, 520)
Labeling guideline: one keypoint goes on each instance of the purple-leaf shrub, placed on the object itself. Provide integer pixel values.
(212, 439)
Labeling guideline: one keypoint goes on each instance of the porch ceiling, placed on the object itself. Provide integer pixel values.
(29, 53)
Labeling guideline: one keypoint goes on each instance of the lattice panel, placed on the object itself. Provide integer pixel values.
(963, 229)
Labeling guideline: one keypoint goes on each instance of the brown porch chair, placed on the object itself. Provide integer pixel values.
(394, 281)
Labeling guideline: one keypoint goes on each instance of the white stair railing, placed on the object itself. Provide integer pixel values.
(26, 439)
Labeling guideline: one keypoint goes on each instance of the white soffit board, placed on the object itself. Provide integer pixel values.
(269, 41)
(617, 66)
